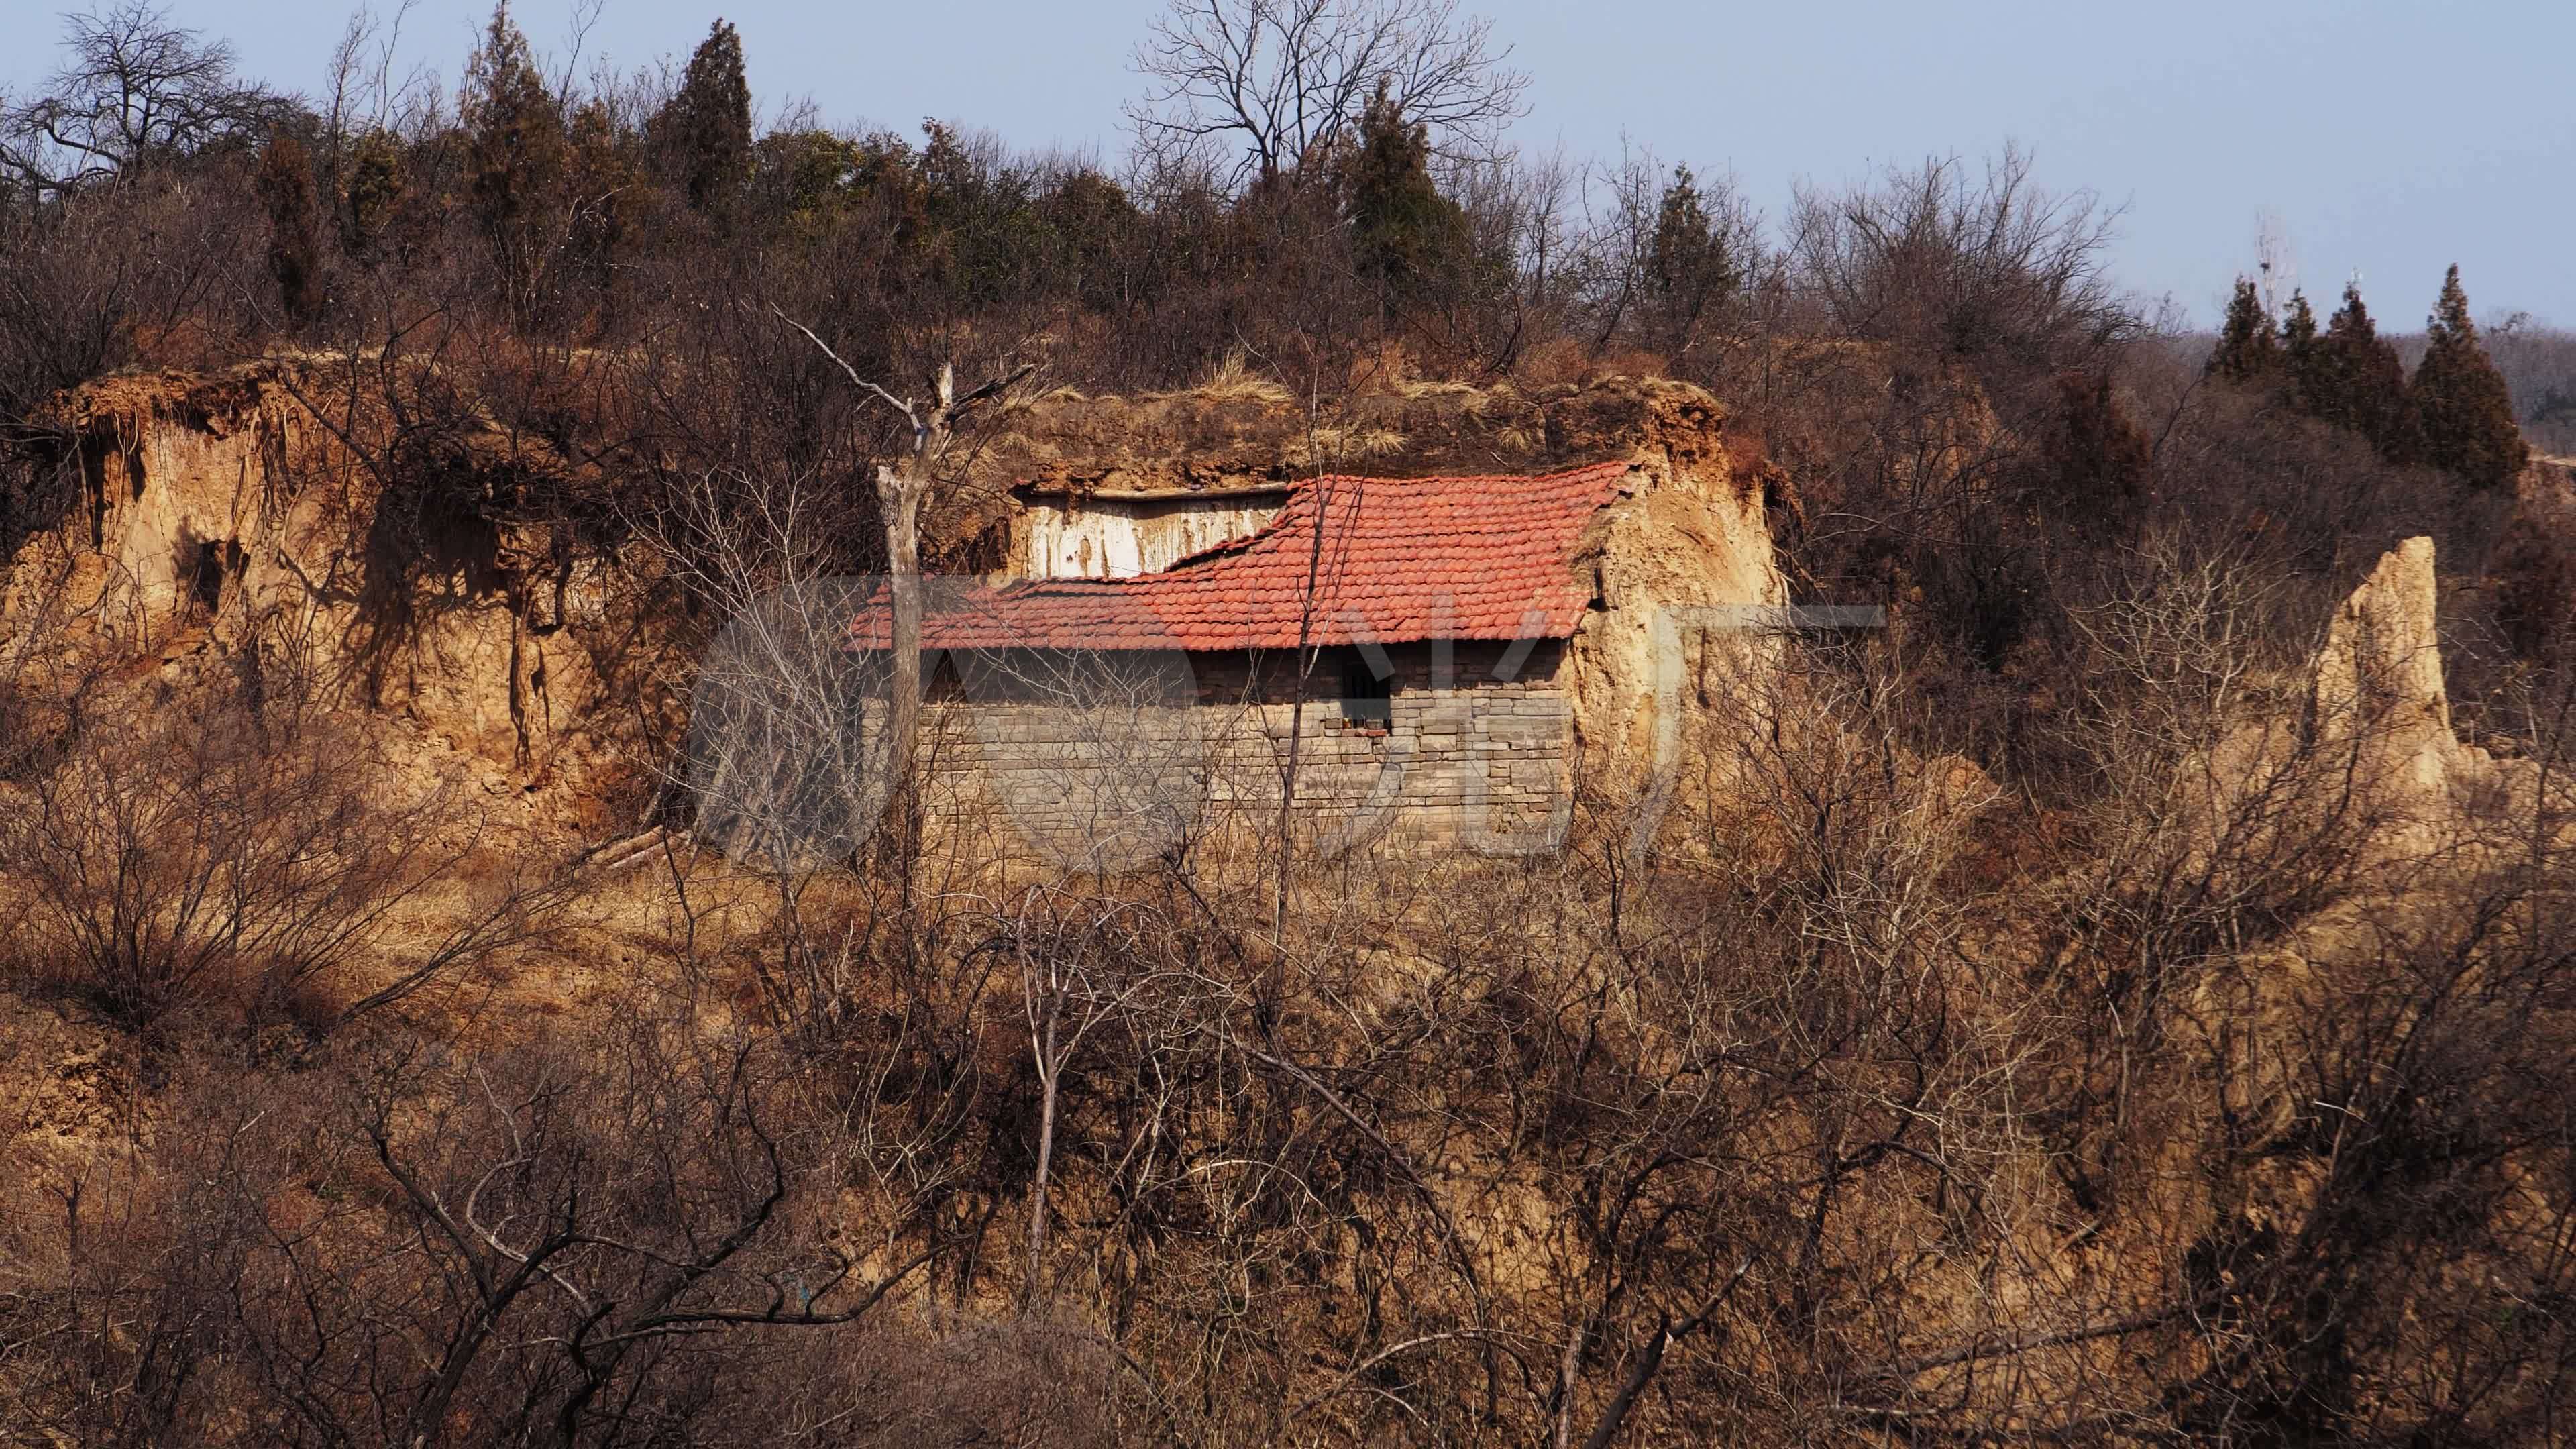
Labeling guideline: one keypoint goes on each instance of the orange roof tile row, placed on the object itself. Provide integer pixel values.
(1398, 560)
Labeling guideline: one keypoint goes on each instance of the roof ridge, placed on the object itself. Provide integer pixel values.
(1473, 556)
(1300, 490)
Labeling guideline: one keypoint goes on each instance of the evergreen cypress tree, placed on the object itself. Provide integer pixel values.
(285, 184)
(600, 180)
(1405, 236)
(2367, 384)
(704, 134)
(2302, 360)
(2247, 348)
(2535, 587)
(2461, 401)
(516, 154)
(2098, 458)
(1688, 267)
(375, 191)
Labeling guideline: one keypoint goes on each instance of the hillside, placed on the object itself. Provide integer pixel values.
(671, 776)
(1851, 1081)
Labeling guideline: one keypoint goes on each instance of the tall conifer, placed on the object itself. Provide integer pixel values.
(285, 182)
(1688, 266)
(516, 154)
(1405, 234)
(375, 192)
(2097, 456)
(2461, 401)
(2367, 390)
(704, 133)
(2247, 349)
(2302, 360)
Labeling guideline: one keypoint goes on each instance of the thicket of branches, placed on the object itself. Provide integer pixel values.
(1923, 1099)
(1855, 1121)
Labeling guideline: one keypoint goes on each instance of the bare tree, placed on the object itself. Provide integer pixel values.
(364, 96)
(1987, 269)
(135, 87)
(1071, 952)
(902, 487)
(1285, 77)
(523, 1203)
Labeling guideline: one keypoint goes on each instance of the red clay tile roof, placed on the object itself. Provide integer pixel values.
(1403, 559)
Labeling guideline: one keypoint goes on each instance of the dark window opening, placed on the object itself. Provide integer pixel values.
(944, 684)
(1367, 696)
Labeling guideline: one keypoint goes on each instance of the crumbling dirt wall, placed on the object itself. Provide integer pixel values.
(1674, 567)
(223, 529)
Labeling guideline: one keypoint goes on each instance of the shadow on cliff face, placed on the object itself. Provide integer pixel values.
(42, 478)
(429, 552)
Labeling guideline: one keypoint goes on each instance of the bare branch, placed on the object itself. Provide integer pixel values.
(1290, 77)
(898, 404)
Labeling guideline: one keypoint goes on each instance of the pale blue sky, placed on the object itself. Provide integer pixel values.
(2392, 138)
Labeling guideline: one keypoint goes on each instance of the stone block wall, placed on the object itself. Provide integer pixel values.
(1138, 754)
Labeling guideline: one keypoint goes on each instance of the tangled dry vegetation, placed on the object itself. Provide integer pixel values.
(2111, 1005)
(353, 1100)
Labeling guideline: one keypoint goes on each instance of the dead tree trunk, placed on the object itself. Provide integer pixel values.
(899, 496)
(902, 487)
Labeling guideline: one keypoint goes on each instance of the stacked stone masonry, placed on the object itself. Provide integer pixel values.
(1471, 746)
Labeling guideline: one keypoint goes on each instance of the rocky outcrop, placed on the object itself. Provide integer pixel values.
(2378, 682)
(2378, 678)
(2358, 748)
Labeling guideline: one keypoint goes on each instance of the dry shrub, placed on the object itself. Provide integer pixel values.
(1573, 362)
(1234, 380)
(1769, 1140)
(177, 862)
(613, 1235)
(218, 866)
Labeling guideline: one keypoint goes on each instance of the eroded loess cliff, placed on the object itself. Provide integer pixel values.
(236, 531)
(2084, 1146)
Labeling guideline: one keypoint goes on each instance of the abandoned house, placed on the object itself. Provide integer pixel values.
(1440, 657)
